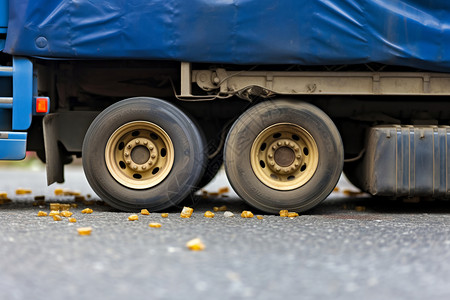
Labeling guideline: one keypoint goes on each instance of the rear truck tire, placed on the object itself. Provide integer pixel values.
(283, 154)
(143, 153)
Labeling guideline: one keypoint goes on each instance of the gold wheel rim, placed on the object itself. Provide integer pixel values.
(139, 155)
(284, 156)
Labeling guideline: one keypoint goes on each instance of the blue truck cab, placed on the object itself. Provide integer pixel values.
(19, 101)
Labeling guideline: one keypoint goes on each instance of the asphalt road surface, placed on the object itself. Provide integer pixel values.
(349, 247)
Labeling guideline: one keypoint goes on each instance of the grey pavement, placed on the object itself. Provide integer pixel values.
(392, 250)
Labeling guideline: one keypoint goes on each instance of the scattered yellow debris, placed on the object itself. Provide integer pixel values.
(133, 218)
(23, 191)
(195, 245)
(54, 206)
(66, 213)
(72, 220)
(260, 217)
(73, 205)
(87, 211)
(224, 190)
(88, 202)
(213, 194)
(360, 208)
(57, 218)
(292, 214)
(3, 195)
(165, 215)
(145, 212)
(154, 225)
(65, 206)
(221, 208)
(59, 192)
(247, 214)
(54, 213)
(41, 213)
(352, 193)
(284, 213)
(209, 214)
(336, 189)
(84, 230)
(186, 212)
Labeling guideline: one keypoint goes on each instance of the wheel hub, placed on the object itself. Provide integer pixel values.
(140, 154)
(284, 156)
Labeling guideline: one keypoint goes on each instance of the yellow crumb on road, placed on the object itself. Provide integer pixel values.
(145, 212)
(165, 215)
(87, 211)
(186, 212)
(41, 213)
(84, 230)
(195, 245)
(209, 214)
(154, 225)
(133, 218)
(247, 214)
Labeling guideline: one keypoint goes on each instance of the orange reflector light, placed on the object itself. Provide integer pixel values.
(41, 105)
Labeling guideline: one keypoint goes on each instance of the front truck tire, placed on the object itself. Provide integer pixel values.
(283, 154)
(143, 153)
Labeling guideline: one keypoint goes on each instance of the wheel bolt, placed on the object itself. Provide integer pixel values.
(151, 147)
(278, 168)
(128, 162)
(273, 147)
(145, 142)
(292, 145)
(296, 165)
(127, 154)
(150, 163)
(137, 141)
(144, 167)
(270, 155)
(286, 143)
(153, 156)
(299, 156)
(297, 148)
(129, 146)
(279, 143)
(135, 168)
(272, 163)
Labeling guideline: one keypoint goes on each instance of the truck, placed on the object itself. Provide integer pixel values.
(157, 95)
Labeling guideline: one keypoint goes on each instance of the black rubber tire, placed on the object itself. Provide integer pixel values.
(256, 119)
(189, 159)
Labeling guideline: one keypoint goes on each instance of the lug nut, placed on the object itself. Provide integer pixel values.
(135, 168)
(128, 162)
(127, 154)
(270, 155)
(129, 146)
(153, 156)
(144, 167)
(151, 147)
(137, 141)
(279, 143)
(299, 156)
(145, 142)
(286, 143)
(278, 168)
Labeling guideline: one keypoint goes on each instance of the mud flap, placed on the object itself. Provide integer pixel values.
(53, 157)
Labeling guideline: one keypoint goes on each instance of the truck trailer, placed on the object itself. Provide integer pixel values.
(156, 95)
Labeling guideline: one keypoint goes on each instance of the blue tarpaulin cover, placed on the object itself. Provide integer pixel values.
(413, 33)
